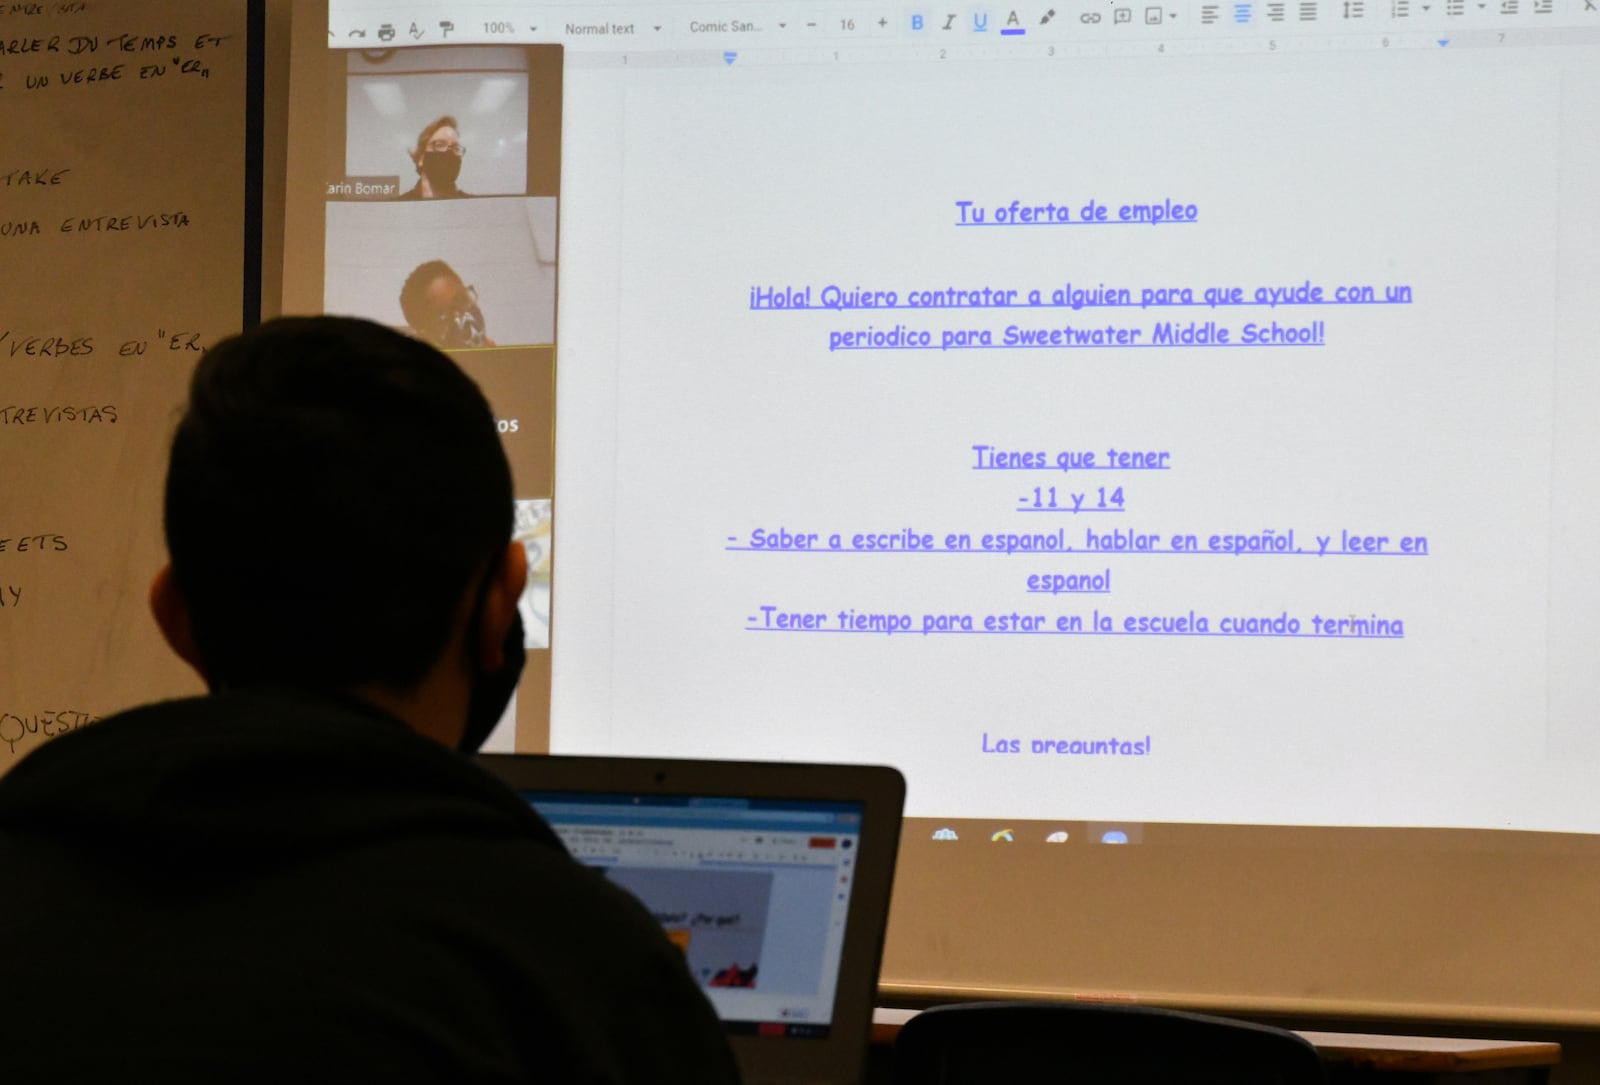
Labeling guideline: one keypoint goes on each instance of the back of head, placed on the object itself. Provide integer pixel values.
(335, 491)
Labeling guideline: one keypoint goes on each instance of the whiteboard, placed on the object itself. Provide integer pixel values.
(126, 195)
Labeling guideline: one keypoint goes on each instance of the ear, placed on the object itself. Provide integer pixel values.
(500, 606)
(171, 612)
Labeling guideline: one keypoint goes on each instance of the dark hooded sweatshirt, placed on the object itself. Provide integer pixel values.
(267, 886)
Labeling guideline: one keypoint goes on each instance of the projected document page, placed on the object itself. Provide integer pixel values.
(1192, 423)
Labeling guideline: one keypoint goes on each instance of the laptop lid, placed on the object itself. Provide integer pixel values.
(772, 878)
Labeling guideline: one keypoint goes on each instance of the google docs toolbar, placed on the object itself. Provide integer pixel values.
(606, 26)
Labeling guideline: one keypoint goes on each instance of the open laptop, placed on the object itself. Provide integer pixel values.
(772, 878)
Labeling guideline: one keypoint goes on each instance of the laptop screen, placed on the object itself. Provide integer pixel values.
(755, 892)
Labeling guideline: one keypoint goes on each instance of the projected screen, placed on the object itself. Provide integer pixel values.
(1172, 420)
(1120, 418)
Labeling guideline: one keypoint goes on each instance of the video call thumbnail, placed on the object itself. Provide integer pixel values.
(443, 193)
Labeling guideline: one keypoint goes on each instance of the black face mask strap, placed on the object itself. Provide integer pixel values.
(491, 690)
(480, 598)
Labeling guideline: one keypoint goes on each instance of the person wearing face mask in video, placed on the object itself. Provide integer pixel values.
(437, 158)
(442, 309)
(300, 876)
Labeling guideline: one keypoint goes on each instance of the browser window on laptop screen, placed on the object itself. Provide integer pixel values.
(755, 892)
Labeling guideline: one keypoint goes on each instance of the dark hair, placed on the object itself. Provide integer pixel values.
(446, 121)
(414, 294)
(336, 490)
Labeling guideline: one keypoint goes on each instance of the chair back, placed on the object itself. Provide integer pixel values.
(1072, 1043)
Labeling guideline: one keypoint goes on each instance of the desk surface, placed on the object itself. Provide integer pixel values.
(1432, 1054)
(1414, 1054)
